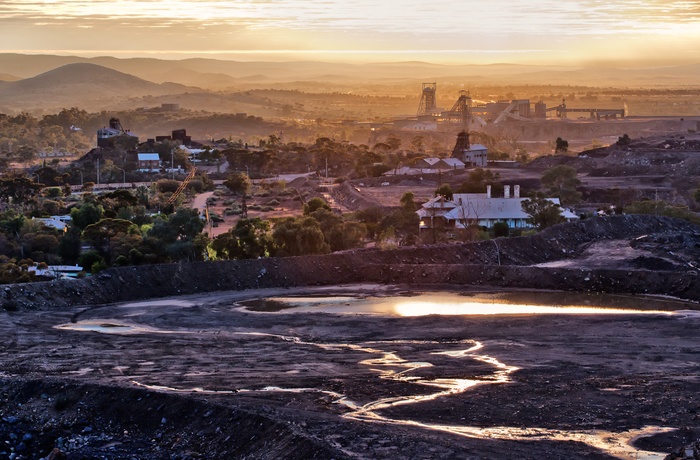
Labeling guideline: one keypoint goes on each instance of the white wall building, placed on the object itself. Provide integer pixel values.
(481, 209)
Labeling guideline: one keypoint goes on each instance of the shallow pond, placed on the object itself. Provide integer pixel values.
(444, 303)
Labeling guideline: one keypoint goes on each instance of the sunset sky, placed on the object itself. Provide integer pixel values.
(454, 31)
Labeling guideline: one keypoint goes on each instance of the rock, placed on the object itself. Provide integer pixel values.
(56, 454)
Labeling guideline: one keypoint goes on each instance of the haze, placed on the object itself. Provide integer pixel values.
(454, 31)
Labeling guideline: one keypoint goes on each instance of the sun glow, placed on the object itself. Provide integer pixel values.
(495, 31)
(480, 308)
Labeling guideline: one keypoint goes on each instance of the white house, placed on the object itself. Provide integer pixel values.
(57, 222)
(475, 155)
(58, 271)
(470, 154)
(481, 209)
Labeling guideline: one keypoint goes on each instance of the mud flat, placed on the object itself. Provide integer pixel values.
(202, 375)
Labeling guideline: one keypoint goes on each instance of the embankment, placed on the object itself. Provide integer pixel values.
(504, 262)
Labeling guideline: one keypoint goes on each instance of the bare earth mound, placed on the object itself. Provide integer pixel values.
(198, 376)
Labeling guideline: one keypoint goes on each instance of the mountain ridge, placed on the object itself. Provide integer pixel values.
(221, 74)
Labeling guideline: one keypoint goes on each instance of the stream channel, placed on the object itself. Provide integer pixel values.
(388, 365)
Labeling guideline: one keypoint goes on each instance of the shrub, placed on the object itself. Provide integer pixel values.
(97, 267)
(500, 229)
(167, 185)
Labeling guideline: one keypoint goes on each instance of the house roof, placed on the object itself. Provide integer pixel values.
(149, 157)
(478, 206)
(454, 162)
(475, 147)
(435, 207)
(111, 132)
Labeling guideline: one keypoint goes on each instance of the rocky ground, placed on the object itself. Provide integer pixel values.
(163, 362)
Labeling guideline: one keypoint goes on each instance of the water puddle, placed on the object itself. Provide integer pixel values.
(183, 390)
(390, 365)
(113, 327)
(530, 303)
(160, 303)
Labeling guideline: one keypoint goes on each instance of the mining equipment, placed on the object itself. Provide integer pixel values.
(461, 112)
(428, 99)
(562, 111)
(182, 186)
(109, 137)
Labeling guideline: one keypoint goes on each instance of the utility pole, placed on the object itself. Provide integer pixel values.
(172, 162)
(98, 171)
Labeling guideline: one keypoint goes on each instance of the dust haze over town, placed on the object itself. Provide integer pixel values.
(322, 230)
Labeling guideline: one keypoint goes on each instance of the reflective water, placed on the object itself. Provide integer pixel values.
(474, 304)
(388, 364)
(113, 327)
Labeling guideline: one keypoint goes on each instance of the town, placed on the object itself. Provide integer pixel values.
(133, 201)
(342, 269)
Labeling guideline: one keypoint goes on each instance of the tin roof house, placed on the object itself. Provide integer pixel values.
(482, 209)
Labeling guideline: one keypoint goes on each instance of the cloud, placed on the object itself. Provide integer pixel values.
(401, 25)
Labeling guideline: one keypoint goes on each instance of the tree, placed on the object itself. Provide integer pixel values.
(478, 179)
(543, 212)
(90, 258)
(238, 183)
(624, 140)
(408, 202)
(100, 234)
(69, 246)
(18, 188)
(418, 143)
(561, 145)
(346, 235)
(167, 185)
(445, 191)
(562, 183)
(370, 217)
(186, 223)
(314, 204)
(249, 239)
(86, 214)
(298, 237)
(26, 154)
(662, 208)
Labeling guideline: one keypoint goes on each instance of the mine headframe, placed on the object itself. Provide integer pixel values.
(428, 99)
(115, 124)
(461, 110)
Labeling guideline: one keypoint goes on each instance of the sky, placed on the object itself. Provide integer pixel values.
(450, 31)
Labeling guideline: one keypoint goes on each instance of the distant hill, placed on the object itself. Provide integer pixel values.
(8, 77)
(225, 74)
(81, 83)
